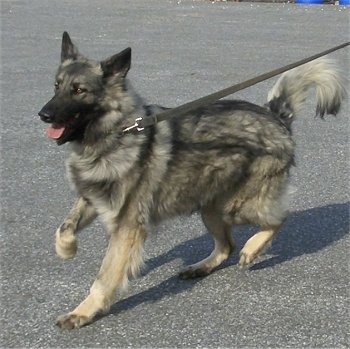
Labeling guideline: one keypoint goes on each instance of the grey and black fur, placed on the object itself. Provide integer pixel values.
(229, 161)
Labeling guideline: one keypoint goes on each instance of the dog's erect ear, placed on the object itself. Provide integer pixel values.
(69, 51)
(117, 65)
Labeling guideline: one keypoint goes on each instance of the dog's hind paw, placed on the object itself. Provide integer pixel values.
(191, 272)
(248, 256)
(72, 321)
(256, 246)
(66, 244)
(246, 259)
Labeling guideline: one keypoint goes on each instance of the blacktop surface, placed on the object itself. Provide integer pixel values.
(296, 296)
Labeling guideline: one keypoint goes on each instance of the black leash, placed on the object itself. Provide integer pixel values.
(141, 123)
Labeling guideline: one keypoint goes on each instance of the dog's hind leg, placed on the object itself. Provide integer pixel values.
(224, 244)
(123, 259)
(81, 215)
(267, 208)
(256, 245)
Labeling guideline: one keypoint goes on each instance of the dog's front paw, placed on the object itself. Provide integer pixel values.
(66, 243)
(71, 321)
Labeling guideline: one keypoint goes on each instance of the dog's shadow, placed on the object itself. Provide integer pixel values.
(305, 232)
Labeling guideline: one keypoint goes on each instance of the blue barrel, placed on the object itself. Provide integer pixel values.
(309, 2)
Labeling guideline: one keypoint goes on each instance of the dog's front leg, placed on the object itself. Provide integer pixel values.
(123, 259)
(81, 215)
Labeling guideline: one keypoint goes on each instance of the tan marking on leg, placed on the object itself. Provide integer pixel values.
(80, 216)
(123, 254)
(256, 245)
(224, 245)
(66, 244)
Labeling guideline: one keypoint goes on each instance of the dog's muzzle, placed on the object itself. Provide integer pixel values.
(45, 116)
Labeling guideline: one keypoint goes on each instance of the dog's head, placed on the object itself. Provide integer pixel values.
(80, 91)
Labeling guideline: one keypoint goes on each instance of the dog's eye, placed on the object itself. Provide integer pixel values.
(78, 90)
(57, 85)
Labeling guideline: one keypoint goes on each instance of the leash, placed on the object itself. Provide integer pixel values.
(141, 123)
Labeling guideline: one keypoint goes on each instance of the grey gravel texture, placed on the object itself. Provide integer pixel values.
(296, 296)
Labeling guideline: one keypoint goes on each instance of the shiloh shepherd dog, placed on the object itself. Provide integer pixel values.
(229, 161)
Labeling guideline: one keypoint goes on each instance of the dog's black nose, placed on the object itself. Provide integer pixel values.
(45, 115)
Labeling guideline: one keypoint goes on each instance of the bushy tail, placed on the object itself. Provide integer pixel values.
(290, 91)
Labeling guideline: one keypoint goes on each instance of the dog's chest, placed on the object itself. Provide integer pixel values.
(91, 175)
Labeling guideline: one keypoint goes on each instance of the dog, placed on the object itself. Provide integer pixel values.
(229, 161)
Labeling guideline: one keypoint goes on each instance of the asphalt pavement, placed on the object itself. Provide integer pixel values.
(296, 296)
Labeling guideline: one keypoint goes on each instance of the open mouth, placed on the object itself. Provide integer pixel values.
(55, 131)
(62, 133)
(72, 130)
(64, 129)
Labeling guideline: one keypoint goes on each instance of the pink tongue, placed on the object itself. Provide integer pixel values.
(55, 131)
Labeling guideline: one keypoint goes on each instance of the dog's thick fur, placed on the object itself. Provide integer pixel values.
(229, 161)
